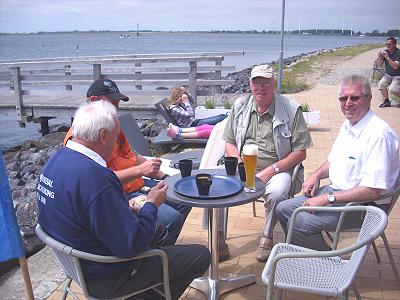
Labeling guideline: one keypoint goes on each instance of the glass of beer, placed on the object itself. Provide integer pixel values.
(250, 154)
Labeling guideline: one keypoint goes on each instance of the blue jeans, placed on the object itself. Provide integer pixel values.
(210, 120)
(170, 214)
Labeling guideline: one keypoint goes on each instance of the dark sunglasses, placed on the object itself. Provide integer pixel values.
(352, 98)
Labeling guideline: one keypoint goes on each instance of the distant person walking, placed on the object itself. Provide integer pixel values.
(391, 58)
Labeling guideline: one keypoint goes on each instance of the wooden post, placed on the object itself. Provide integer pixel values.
(27, 279)
(217, 88)
(193, 81)
(96, 71)
(67, 71)
(138, 76)
(19, 105)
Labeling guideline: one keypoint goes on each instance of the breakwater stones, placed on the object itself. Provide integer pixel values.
(241, 78)
(23, 164)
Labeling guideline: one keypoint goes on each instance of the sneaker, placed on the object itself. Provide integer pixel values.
(224, 254)
(264, 249)
(385, 103)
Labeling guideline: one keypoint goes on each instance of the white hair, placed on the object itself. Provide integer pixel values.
(352, 80)
(91, 118)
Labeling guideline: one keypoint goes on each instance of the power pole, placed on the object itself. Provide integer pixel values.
(280, 69)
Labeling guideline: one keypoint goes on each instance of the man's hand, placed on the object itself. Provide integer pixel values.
(266, 174)
(157, 194)
(309, 186)
(150, 167)
(320, 200)
(136, 203)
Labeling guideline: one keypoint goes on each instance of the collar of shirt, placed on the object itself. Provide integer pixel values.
(356, 129)
(87, 152)
(270, 110)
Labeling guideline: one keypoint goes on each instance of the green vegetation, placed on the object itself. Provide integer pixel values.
(305, 107)
(227, 104)
(295, 78)
(209, 103)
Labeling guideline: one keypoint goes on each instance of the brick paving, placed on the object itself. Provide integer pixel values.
(374, 280)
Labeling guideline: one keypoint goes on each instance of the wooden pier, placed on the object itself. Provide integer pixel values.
(41, 89)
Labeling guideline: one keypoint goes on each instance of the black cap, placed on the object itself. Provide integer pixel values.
(106, 87)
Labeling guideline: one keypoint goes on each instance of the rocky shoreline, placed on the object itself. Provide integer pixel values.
(241, 78)
(23, 163)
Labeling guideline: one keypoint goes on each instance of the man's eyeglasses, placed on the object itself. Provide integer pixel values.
(389, 44)
(352, 98)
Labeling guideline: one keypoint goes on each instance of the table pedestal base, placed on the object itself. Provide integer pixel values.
(213, 289)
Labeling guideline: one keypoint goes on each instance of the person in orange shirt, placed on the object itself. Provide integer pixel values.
(130, 167)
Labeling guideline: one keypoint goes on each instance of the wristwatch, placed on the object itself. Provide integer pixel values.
(276, 168)
(331, 198)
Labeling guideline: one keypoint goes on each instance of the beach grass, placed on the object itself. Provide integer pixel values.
(300, 76)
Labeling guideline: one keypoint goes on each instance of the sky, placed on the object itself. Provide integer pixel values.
(27, 16)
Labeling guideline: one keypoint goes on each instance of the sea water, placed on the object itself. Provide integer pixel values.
(258, 48)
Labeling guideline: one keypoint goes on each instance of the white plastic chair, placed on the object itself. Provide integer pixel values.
(70, 261)
(393, 196)
(213, 152)
(321, 272)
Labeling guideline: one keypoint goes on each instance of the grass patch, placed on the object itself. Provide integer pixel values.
(294, 79)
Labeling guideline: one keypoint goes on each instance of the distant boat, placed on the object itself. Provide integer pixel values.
(124, 36)
(361, 35)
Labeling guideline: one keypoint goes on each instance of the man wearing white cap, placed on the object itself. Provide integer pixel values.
(276, 125)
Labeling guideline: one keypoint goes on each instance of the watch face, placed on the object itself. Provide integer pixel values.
(331, 198)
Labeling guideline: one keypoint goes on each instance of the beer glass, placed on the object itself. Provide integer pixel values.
(250, 154)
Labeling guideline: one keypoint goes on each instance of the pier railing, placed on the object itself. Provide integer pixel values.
(135, 74)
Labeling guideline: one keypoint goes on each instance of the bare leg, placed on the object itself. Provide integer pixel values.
(384, 93)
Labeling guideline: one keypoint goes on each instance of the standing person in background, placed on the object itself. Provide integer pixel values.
(180, 106)
(81, 203)
(391, 57)
(276, 125)
(130, 167)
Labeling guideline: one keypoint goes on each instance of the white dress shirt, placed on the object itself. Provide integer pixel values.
(366, 154)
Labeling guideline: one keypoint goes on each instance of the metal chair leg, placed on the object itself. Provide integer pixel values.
(66, 288)
(278, 293)
(378, 258)
(226, 221)
(392, 262)
(355, 290)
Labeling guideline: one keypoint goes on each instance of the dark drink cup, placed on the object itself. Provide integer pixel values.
(230, 165)
(185, 166)
(203, 183)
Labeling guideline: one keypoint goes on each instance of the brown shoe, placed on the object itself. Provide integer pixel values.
(223, 251)
(264, 249)
(224, 254)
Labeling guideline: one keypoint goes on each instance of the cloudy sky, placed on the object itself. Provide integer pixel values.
(59, 15)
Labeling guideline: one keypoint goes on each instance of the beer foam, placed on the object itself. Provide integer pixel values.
(250, 149)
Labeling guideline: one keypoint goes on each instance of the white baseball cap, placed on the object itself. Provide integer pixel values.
(265, 71)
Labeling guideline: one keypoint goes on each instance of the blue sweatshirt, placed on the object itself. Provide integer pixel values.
(82, 204)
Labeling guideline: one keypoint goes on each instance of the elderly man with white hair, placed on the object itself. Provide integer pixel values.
(82, 204)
